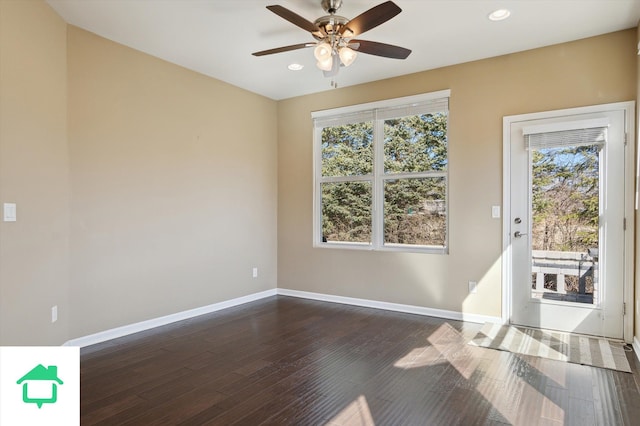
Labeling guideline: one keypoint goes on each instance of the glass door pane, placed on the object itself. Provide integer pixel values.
(565, 223)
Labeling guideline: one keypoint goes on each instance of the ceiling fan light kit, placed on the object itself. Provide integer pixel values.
(323, 51)
(335, 44)
(347, 55)
(325, 65)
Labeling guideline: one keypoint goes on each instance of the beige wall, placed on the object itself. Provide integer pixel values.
(34, 255)
(145, 189)
(591, 71)
(174, 187)
(637, 266)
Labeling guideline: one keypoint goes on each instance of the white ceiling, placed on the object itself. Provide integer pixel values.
(217, 37)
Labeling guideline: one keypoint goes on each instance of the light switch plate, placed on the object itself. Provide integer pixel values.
(495, 212)
(9, 212)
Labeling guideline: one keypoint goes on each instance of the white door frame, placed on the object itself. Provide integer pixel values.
(629, 203)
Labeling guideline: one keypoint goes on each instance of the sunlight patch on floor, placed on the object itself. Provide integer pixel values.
(439, 351)
(418, 358)
(357, 414)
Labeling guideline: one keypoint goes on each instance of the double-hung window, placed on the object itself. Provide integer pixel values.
(380, 175)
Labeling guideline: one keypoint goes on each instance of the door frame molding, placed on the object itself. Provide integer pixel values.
(629, 202)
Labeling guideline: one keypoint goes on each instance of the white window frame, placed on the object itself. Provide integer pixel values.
(378, 177)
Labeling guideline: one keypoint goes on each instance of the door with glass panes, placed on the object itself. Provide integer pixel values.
(567, 179)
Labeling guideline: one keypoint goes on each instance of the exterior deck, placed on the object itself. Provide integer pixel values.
(565, 276)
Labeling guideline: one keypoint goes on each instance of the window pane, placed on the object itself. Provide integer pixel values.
(415, 211)
(416, 143)
(346, 212)
(347, 150)
(565, 198)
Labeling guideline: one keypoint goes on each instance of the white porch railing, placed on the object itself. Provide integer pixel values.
(562, 264)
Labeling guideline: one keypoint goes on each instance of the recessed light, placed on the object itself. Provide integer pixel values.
(295, 67)
(499, 15)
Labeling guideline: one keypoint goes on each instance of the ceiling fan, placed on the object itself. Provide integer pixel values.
(335, 43)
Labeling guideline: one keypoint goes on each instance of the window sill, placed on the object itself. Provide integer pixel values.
(398, 248)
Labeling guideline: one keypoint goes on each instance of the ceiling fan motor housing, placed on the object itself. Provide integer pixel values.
(330, 26)
(331, 6)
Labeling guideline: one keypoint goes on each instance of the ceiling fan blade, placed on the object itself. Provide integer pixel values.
(283, 49)
(294, 18)
(379, 49)
(371, 18)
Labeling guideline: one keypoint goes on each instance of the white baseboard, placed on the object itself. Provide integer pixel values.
(409, 309)
(636, 347)
(113, 333)
(125, 330)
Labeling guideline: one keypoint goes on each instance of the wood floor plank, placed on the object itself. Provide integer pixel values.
(108, 409)
(604, 390)
(289, 361)
(626, 391)
(555, 403)
(94, 398)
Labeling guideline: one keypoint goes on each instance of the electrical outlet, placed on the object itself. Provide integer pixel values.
(473, 287)
(54, 313)
(255, 272)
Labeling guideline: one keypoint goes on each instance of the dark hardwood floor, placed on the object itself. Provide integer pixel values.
(284, 361)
